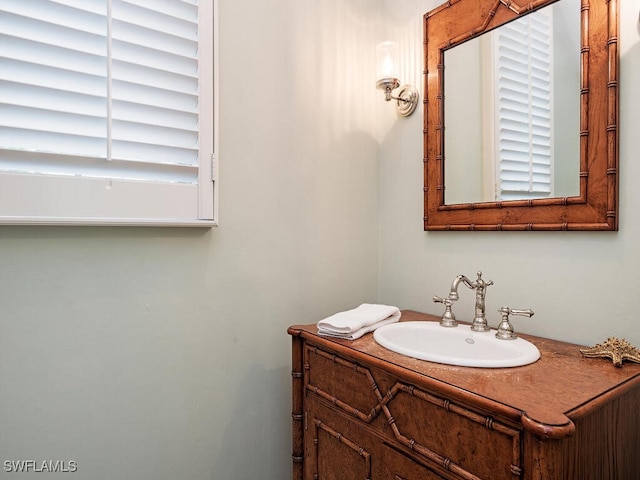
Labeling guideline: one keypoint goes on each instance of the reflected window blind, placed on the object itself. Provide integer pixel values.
(524, 105)
(106, 92)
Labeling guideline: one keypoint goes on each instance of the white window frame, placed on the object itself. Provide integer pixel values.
(35, 198)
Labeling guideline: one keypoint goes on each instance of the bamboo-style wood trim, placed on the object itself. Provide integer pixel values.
(364, 454)
(511, 5)
(519, 227)
(297, 406)
(613, 105)
(486, 421)
(546, 431)
(412, 377)
(373, 413)
(596, 206)
(584, 97)
(384, 405)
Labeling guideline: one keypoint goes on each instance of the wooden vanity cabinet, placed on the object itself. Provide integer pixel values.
(362, 412)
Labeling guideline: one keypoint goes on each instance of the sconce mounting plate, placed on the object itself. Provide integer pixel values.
(407, 100)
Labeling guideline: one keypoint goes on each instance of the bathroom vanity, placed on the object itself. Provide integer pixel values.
(362, 412)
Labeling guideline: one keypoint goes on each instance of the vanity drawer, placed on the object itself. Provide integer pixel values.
(453, 436)
(341, 382)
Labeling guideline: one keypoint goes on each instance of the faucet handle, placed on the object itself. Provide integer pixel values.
(481, 282)
(448, 318)
(505, 329)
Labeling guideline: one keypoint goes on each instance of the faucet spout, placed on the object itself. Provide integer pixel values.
(453, 293)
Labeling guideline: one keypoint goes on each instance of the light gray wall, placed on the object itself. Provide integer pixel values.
(583, 286)
(162, 353)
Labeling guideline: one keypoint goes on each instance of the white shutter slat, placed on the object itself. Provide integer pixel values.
(158, 60)
(129, 73)
(45, 120)
(152, 96)
(54, 36)
(52, 164)
(138, 150)
(160, 116)
(513, 119)
(85, 15)
(173, 36)
(33, 96)
(47, 142)
(156, 14)
(52, 77)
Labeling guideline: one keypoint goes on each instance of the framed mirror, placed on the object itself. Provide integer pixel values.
(521, 115)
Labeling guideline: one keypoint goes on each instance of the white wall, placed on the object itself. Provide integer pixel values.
(162, 353)
(583, 286)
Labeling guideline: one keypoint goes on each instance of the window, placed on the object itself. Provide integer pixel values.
(107, 112)
(524, 79)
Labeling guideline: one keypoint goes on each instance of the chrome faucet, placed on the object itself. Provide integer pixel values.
(505, 329)
(479, 323)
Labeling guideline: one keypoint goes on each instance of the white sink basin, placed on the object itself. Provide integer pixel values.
(455, 346)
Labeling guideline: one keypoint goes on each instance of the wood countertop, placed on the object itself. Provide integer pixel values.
(546, 397)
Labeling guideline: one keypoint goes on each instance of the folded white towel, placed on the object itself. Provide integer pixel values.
(352, 324)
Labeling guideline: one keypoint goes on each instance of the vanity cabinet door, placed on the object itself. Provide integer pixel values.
(339, 448)
(334, 448)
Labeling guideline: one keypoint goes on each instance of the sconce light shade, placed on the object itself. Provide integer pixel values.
(387, 59)
(387, 68)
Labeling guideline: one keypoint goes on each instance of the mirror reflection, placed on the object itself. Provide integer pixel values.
(512, 110)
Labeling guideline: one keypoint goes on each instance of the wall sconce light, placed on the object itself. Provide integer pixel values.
(387, 55)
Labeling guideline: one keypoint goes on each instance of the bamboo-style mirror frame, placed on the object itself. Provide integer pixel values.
(596, 207)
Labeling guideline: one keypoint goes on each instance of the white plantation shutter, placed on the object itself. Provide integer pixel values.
(106, 112)
(524, 105)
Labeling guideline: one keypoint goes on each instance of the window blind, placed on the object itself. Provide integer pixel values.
(106, 110)
(524, 104)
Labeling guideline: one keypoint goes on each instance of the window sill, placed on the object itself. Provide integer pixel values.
(107, 222)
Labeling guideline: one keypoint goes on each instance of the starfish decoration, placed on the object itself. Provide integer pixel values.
(614, 348)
